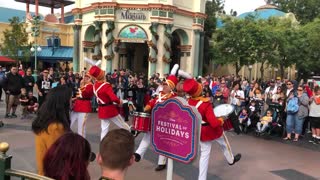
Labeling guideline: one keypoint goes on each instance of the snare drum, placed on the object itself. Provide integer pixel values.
(223, 110)
(228, 111)
(141, 121)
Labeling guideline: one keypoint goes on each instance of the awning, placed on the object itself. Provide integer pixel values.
(4, 59)
(49, 54)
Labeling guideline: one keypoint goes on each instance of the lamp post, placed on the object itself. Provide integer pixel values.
(250, 69)
(35, 49)
(35, 32)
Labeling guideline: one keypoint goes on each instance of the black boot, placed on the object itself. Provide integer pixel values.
(137, 157)
(160, 167)
(236, 158)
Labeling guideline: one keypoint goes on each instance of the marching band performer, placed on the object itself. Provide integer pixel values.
(211, 126)
(82, 105)
(107, 100)
(166, 93)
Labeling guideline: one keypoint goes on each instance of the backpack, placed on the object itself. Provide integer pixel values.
(293, 106)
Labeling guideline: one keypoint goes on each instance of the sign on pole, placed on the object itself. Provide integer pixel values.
(175, 129)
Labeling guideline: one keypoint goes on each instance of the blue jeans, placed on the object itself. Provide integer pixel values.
(294, 124)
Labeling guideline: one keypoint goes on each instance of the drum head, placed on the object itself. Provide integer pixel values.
(223, 110)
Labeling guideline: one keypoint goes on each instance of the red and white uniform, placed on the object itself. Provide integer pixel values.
(211, 130)
(107, 110)
(81, 108)
(145, 142)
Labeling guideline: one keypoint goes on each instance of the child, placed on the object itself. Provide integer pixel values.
(218, 98)
(243, 119)
(264, 122)
(24, 102)
(252, 106)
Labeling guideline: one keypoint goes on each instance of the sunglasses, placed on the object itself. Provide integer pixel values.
(300, 89)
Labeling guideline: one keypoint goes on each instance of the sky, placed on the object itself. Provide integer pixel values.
(240, 6)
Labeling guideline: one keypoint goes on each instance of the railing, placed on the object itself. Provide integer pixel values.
(5, 167)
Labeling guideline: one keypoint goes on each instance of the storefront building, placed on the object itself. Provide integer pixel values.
(145, 36)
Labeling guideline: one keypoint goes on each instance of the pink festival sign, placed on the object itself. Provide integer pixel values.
(175, 129)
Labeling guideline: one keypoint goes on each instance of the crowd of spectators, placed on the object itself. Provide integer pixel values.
(293, 106)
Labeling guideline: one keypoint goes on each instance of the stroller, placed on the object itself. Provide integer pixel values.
(277, 127)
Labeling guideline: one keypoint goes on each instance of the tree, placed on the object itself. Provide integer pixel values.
(305, 10)
(212, 8)
(15, 43)
(235, 42)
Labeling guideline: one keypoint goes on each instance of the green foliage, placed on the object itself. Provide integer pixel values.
(212, 8)
(15, 43)
(241, 42)
(305, 10)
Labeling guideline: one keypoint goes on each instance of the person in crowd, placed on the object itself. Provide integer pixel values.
(32, 106)
(52, 121)
(253, 106)
(24, 103)
(42, 86)
(12, 85)
(278, 82)
(264, 122)
(21, 71)
(68, 158)
(289, 88)
(278, 96)
(141, 91)
(218, 98)
(270, 91)
(256, 92)
(107, 110)
(116, 154)
(82, 105)
(243, 119)
(303, 102)
(166, 93)
(63, 81)
(2, 78)
(120, 87)
(211, 127)
(237, 97)
(52, 75)
(314, 115)
(292, 121)
(29, 80)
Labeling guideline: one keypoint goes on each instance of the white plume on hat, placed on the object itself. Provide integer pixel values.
(184, 74)
(92, 62)
(174, 69)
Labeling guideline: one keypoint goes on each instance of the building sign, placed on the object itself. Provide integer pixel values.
(133, 33)
(175, 129)
(133, 15)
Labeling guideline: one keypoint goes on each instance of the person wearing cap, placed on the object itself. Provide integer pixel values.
(107, 101)
(211, 126)
(167, 92)
(82, 105)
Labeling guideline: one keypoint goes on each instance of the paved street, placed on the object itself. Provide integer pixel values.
(261, 159)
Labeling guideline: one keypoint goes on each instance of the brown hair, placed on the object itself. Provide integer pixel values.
(116, 149)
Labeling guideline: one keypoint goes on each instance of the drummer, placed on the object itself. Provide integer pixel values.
(211, 127)
(107, 101)
(166, 93)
